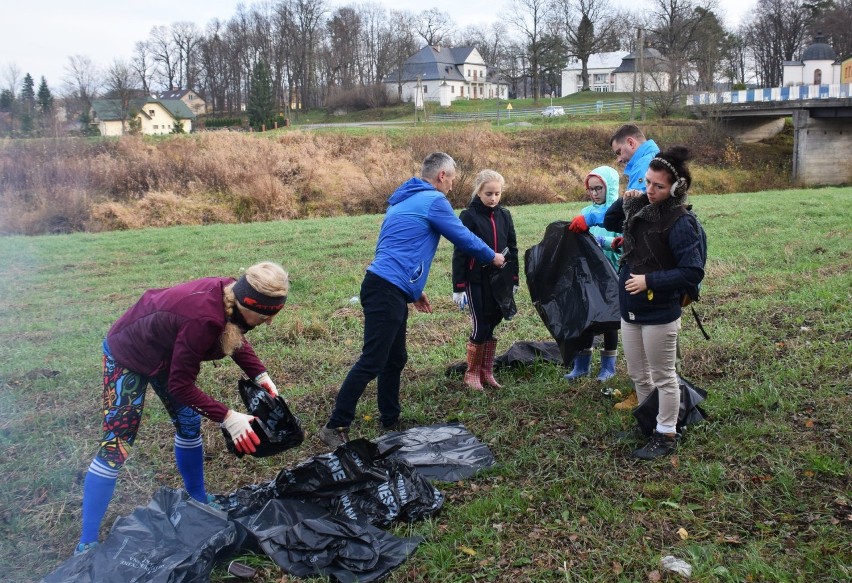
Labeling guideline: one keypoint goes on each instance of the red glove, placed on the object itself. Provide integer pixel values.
(578, 225)
(238, 426)
(617, 243)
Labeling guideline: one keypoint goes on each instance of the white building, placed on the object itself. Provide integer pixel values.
(648, 73)
(600, 68)
(445, 74)
(819, 65)
(618, 71)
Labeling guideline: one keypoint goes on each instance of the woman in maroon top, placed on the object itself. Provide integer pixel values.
(162, 340)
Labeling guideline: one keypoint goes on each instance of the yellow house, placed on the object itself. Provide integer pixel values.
(153, 116)
(193, 100)
(846, 71)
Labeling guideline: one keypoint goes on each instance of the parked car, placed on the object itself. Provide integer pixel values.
(553, 111)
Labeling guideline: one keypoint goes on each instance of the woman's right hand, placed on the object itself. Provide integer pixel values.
(632, 194)
(238, 426)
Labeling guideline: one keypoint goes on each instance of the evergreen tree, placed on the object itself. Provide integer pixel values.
(28, 94)
(27, 100)
(7, 100)
(260, 104)
(44, 99)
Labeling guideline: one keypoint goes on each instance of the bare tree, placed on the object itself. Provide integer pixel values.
(529, 18)
(143, 65)
(435, 27)
(186, 37)
(589, 27)
(401, 43)
(776, 34)
(734, 63)
(121, 84)
(165, 55)
(675, 28)
(82, 82)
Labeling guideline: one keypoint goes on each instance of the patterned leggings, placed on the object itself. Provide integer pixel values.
(123, 401)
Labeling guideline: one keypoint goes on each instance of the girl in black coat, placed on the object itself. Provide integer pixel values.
(472, 282)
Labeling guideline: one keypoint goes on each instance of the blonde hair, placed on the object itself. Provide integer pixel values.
(485, 176)
(266, 277)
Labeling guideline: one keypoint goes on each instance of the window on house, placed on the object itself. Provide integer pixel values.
(461, 90)
(818, 77)
(151, 112)
(452, 88)
(425, 89)
(156, 127)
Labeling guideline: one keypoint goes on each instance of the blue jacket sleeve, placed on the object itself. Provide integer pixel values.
(614, 218)
(444, 220)
(594, 215)
(686, 249)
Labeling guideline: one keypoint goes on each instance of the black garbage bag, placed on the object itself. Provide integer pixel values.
(173, 539)
(519, 354)
(277, 428)
(502, 285)
(573, 287)
(447, 452)
(357, 480)
(306, 540)
(690, 412)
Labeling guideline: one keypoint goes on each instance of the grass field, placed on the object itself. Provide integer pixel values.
(762, 490)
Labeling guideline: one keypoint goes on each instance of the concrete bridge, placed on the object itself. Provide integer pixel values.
(822, 125)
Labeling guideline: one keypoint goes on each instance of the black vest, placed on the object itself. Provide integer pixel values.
(646, 233)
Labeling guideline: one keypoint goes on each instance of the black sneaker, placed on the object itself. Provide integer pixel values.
(334, 437)
(658, 446)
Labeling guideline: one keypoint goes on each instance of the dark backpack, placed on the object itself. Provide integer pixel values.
(693, 294)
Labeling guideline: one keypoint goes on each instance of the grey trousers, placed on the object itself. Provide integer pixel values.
(651, 353)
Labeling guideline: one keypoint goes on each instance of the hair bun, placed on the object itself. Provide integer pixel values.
(677, 154)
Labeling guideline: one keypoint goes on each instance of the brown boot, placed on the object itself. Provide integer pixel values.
(628, 403)
(475, 354)
(488, 364)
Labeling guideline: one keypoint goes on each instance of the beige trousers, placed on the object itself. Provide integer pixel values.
(651, 353)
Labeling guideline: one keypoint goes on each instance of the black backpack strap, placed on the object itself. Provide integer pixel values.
(698, 321)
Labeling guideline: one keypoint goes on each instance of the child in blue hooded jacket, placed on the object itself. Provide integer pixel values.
(602, 188)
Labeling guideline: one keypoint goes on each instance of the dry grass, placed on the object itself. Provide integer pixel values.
(53, 186)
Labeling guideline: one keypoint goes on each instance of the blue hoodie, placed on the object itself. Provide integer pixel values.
(609, 176)
(637, 166)
(415, 220)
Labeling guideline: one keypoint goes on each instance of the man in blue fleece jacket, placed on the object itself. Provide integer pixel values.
(418, 214)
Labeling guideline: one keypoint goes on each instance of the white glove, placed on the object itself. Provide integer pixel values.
(263, 380)
(460, 299)
(238, 426)
(515, 290)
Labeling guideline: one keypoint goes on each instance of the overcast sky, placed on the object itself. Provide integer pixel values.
(38, 37)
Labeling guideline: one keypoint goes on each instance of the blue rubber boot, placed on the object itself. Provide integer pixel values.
(607, 365)
(582, 363)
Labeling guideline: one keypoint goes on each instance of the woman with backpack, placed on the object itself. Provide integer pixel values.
(663, 258)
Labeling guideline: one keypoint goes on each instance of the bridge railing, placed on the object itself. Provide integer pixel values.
(771, 94)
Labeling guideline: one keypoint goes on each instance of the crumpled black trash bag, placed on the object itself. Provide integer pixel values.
(306, 540)
(502, 284)
(573, 287)
(173, 539)
(519, 354)
(447, 452)
(357, 480)
(690, 412)
(277, 428)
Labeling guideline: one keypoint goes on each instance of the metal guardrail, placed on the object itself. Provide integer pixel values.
(774, 94)
(510, 114)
